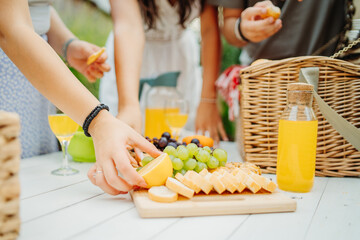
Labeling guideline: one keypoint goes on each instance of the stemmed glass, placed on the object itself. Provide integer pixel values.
(176, 115)
(64, 129)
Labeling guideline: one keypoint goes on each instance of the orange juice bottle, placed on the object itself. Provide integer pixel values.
(297, 140)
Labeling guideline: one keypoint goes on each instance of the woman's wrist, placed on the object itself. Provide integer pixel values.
(101, 118)
(238, 32)
(208, 100)
(65, 48)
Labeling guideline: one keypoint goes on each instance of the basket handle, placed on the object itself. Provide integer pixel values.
(348, 131)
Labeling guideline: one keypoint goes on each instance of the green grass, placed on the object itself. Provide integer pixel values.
(87, 23)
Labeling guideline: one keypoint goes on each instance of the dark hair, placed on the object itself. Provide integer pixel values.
(150, 12)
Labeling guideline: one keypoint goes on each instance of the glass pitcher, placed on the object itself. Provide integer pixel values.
(162, 88)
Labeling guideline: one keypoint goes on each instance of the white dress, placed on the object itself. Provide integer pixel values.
(169, 47)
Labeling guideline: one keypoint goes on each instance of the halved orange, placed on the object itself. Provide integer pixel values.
(157, 171)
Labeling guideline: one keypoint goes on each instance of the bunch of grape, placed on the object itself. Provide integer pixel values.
(164, 141)
(192, 157)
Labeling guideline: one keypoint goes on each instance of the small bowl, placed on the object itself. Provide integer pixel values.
(81, 147)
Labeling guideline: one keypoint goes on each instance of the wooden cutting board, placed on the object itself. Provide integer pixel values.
(213, 204)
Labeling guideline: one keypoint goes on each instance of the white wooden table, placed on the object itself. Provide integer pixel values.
(54, 207)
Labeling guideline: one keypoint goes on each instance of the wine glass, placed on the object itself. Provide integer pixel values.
(176, 115)
(64, 129)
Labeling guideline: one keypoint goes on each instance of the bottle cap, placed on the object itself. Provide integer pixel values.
(300, 87)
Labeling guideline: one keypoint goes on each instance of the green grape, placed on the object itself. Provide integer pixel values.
(172, 157)
(208, 149)
(146, 160)
(213, 163)
(177, 164)
(222, 164)
(182, 153)
(182, 171)
(220, 155)
(192, 148)
(200, 166)
(138, 169)
(180, 146)
(190, 164)
(203, 156)
(170, 150)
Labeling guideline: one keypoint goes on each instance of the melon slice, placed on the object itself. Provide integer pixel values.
(93, 57)
(187, 182)
(162, 194)
(250, 183)
(216, 182)
(200, 181)
(264, 182)
(228, 182)
(157, 171)
(179, 187)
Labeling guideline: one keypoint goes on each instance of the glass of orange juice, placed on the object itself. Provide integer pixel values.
(176, 115)
(64, 129)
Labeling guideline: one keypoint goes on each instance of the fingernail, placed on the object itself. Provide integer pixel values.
(264, 10)
(123, 192)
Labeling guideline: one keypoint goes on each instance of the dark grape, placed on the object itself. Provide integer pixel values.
(156, 145)
(184, 143)
(196, 141)
(200, 145)
(163, 142)
(149, 139)
(172, 144)
(172, 140)
(166, 135)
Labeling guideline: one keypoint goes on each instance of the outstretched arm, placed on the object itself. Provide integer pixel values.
(54, 80)
(208, 116)
(129, 40)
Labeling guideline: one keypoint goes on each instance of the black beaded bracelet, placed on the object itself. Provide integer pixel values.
(91, 116)
(238, 22)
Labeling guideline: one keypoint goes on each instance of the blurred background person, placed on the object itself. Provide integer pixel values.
(152, 37)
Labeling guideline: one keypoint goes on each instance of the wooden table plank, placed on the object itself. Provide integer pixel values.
(37, 180)
(209, 228)
(57, 200)
(76, 218)
(273, 226)
(127, 226)
(338, 214)
(40, 160)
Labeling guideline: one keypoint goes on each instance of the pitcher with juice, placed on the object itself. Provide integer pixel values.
(297, 140)
(163, 88)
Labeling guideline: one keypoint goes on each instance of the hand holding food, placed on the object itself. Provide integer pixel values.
(111, 136)
(78, 55)
(260, 21)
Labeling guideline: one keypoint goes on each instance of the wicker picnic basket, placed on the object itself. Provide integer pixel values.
(263, 99)
(9, 180)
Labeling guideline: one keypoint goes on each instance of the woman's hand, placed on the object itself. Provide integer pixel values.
(131, 115)
(208, 119)
(113, 171)
(77, 54)
(256, 29)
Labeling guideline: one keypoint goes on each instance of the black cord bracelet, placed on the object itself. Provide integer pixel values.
(240, 32)
(91, 117)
